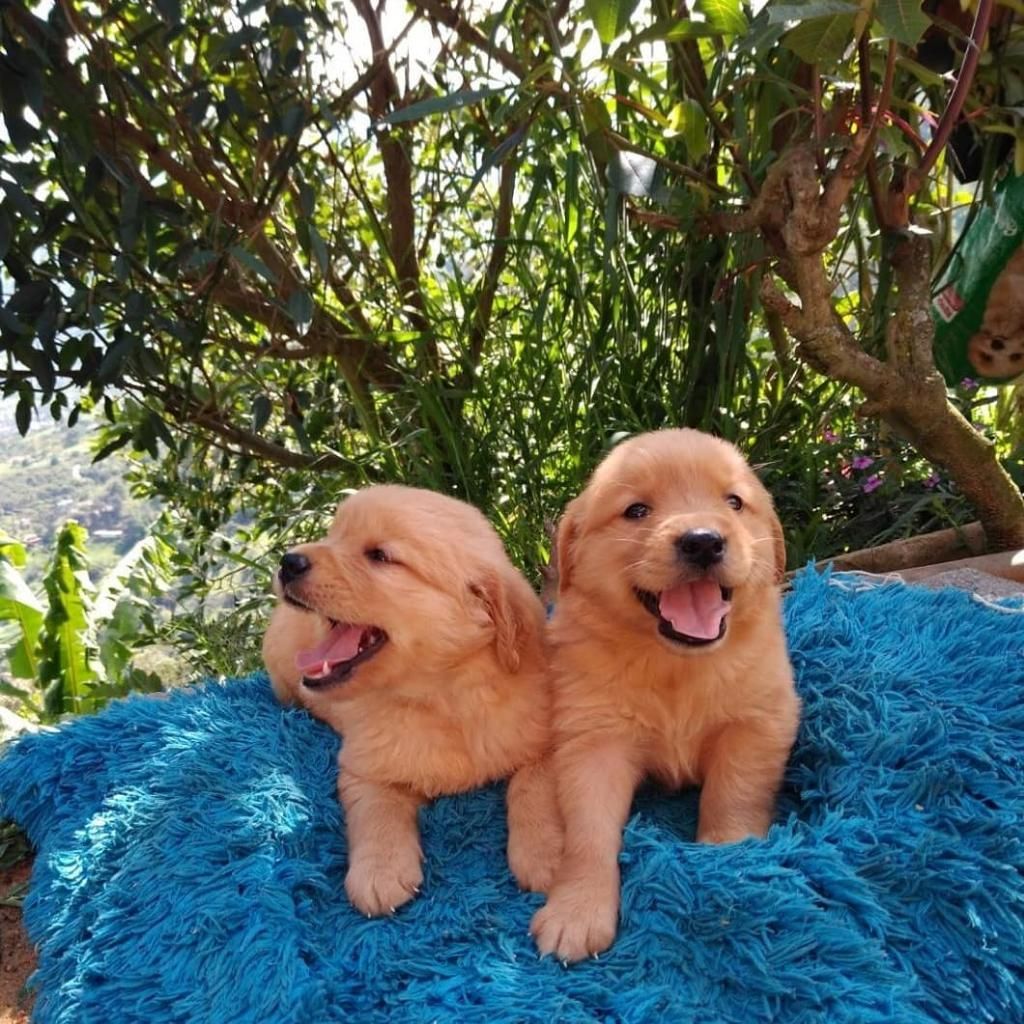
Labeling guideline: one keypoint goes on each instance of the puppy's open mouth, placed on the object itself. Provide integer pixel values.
(339, 654)
(694, 613)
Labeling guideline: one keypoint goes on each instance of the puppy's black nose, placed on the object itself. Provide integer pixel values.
(701, 547)
(293, 566)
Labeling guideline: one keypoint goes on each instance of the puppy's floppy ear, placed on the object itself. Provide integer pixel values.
(513, 608)
(565, 542)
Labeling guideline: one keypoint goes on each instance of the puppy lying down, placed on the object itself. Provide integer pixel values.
(669, 661)
(408, 630)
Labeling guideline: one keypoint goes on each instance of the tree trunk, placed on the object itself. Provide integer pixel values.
(905, 388)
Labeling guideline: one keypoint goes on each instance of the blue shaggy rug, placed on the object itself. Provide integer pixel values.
(191, 856)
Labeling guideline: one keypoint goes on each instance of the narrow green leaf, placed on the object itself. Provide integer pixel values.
(23, 415)
(673, 31)
(113, 359)
(300, 309)
(439, 105)
(689, 120)
(6, 232)
(319, 247)
(112, 446)
(572, 196)
(261, 409)
(253, 263)
(494, 158)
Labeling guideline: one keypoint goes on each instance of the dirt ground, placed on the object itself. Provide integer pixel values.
(17, 957)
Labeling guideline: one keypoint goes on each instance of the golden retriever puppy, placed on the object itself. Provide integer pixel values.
(669, 661)
(408, 630)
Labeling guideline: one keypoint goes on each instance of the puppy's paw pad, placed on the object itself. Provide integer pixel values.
(572, 930)
(377, 887)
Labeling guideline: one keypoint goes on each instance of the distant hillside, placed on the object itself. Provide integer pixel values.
(48, 477)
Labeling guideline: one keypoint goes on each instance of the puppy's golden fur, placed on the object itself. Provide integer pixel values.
(636, 694)
(410, 633)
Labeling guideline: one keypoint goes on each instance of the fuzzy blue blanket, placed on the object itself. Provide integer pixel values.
(191, 856)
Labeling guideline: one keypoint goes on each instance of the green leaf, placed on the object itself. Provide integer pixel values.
(725, 16)
(66, 643)
(903, 20)
(261, 409)
(319, 247)
(634, 174)
(23, 415)
(439, 105)
(300, 309)
(18, 604)
(170, 11)
(113, 359)
(815, 9)
(821, 40)
(494, 158)
(112, 446)
(6, 232)
(11, 549)
(572, 196)
(689, 120)
(610, 17)
(673, 31)
(253, 263)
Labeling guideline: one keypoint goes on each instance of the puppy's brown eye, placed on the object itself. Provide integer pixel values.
(637, 511)
(377, 555)
(734, 501)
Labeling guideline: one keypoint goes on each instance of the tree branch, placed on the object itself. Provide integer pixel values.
(384, 96)
(471, 34)
(499, 250)
(185, 408)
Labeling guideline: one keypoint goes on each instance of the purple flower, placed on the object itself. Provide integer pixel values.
(862, 461)
(830, 435)
(872, 483)
(932, 480)
(968, 383)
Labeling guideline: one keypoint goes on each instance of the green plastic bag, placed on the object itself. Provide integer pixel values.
(978, 298)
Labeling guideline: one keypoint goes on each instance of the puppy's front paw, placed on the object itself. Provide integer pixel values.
(575, 923)
(533, 857)
(379, 885)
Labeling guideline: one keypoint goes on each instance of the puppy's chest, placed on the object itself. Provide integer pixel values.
(672, 727)
(672, 752)
(427, 749)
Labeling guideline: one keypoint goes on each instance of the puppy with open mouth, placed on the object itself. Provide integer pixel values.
(668, 660)
(409, 631)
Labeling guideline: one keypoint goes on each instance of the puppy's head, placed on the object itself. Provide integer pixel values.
(997, 355)
(407, 583)
(674, 535)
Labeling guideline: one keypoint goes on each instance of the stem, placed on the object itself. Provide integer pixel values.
(965, 79)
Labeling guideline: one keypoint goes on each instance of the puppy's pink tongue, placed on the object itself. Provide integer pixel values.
(694, 609)
(341, 644)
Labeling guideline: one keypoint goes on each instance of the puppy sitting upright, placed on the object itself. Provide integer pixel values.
(408, 630)
(669, 660)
